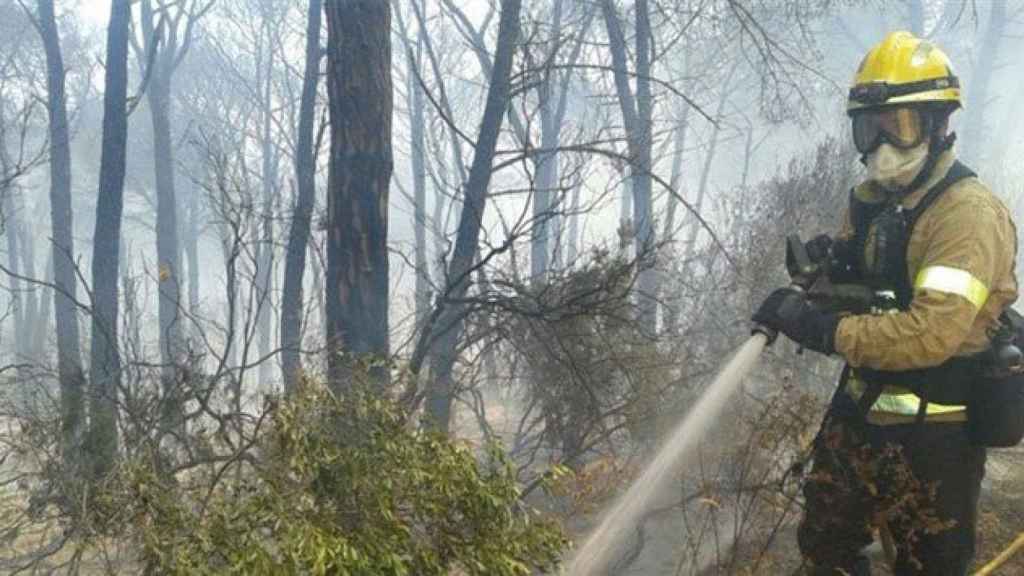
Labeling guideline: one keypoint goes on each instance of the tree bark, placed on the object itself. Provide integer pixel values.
(265, 247)
(105, 365)
(192, 250)
(414, 101)
(573, 245)
(637, 114)
(546, 166)
(359, 174)
(445, 332)
(298, 234)
(12, 219)
(422, 293)
(161, 51)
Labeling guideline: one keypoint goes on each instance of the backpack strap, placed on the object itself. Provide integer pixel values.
(957, 172)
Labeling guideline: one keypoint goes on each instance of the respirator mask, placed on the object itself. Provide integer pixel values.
(894, 144)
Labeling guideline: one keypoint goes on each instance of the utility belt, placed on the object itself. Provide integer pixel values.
(986, 389)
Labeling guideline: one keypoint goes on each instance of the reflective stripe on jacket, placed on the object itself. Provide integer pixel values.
(961, 257)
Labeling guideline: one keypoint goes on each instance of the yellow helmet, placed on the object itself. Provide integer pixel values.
(901, 69)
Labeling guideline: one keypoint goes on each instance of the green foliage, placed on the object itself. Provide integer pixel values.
(341, 486)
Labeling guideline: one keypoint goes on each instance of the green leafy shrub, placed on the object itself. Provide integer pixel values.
(341, 486)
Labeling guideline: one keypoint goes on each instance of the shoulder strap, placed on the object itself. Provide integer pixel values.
(904, 284)
(862, 213)
(957, 172)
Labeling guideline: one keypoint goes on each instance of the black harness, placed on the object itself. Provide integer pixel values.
(989, 384)
(887, 228)
(891, 226)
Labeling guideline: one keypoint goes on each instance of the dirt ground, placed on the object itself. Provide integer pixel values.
(1002, 508)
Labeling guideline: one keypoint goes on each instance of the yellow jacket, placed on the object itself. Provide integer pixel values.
(961, 259)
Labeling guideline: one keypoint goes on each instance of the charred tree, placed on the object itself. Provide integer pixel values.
(415, 101)
(105, 365)
(298, 234)
(264, 277)
(637, 114)
(11, 226)
(419, 178)
(166, 39)
(359, 174)
(443, 335)
(69, 355)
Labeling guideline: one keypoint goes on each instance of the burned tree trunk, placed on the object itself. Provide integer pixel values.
(69, 356)
(105, 365)
(164, 47)
(445, 331)
(298, 234)
(637, 114)
(359, 174)
(419, 177)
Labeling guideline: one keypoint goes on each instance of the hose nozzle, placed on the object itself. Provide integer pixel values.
(770, 333)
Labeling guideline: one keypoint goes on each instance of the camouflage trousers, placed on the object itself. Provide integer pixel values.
(923, 480)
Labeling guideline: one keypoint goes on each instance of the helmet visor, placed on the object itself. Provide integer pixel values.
(902, 127)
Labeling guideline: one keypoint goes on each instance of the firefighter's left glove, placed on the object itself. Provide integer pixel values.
(788, 311)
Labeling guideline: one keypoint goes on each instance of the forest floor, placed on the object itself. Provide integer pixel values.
(1002, 508)
(1001, 521)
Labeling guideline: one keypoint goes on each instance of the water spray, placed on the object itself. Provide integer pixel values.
(594, 556)
(598, 551)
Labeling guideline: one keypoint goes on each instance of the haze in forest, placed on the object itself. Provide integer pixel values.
(421, 285)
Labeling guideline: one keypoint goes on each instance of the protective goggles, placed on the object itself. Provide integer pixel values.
(902, 127)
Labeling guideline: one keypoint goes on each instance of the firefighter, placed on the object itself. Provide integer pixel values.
(923, 229)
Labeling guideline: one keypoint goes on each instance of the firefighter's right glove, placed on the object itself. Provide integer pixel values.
(788, 311)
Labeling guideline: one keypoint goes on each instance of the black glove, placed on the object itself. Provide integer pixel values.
(787, 311)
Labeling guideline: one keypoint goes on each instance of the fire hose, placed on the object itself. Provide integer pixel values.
(1003, 557)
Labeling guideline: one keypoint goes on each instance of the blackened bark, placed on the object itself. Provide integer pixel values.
(11, 224)
(637, 118)
(298, 234)
(643, 202)
(191, 242)
(265, 248)
(360, 96)
(105, 365)
(43, 315)
(552, 94)
(574, 240)
(33, 303)
(415, 102)
(546, 167)
(419, 181)
(446, 331)
(163, 46)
